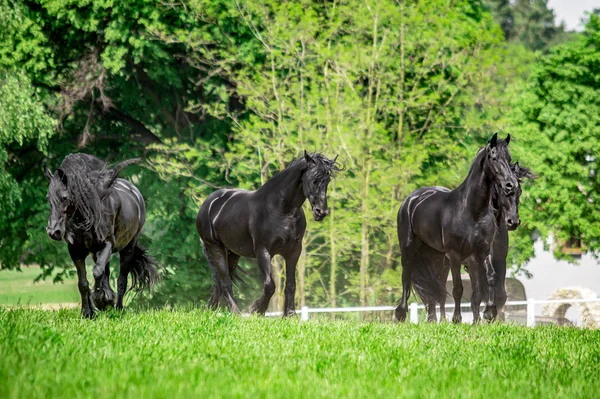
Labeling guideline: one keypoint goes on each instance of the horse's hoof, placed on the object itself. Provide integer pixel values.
(88, 314)
(456, 319)
(104, 298)
(400, 315)
(489, 314)
(289, 313)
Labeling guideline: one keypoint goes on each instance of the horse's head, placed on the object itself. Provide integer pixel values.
(509, 204)
(497, 165)
(60, 204)
(315, 181)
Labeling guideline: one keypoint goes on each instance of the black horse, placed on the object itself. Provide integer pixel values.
(96, 212)
(506, 214)
(261, 224)
(435, 223)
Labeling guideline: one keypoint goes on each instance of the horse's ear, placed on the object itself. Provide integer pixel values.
(308, 157)
(493, 140)
(47, 172)
(62, 176)
(335, 158)
(507, 139)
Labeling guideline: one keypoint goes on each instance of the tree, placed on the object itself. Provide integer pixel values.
(558, 133)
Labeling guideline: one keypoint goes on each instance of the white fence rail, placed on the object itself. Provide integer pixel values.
(414, 307)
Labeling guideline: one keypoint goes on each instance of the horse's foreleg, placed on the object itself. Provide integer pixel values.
(289, 307)
(457, 291)
(490, 311)
(104, 296)
(262, 303)
(78, 256)
(474, 275)
(500, 267)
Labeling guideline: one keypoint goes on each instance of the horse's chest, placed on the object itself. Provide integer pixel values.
(284, 235)
(480, 236)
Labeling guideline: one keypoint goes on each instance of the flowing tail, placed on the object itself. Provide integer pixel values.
(143, 272)
(427, 284)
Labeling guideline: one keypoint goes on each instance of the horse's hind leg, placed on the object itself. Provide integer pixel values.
(264, 262)
(215, 297)
(126, 258)
(217, 256)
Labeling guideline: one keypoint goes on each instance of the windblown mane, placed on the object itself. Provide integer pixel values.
(83, 174)
(324, 166)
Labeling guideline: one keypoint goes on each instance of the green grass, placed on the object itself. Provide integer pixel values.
(196, 353)
(18, 288)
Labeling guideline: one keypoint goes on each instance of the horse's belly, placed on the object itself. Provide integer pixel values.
(237, 240)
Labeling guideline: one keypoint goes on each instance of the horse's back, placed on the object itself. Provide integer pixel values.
(131, 214)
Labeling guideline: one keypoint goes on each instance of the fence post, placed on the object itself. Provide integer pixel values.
(530, 312)
(304, 313)
(414, 313)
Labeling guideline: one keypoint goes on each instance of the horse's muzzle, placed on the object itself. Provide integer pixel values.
(319, 214)
(55, 234)
(512, 224)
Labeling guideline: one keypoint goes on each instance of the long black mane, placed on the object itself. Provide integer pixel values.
(324, 167)
(82, 174)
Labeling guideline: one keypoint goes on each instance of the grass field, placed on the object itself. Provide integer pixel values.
(196, 353)
(18, 288)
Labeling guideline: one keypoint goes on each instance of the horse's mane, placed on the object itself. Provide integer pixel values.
(324, 166)
(501, 147)
(83, 174)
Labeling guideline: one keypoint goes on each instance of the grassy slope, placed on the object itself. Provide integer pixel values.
(192, 353)
(19, 288)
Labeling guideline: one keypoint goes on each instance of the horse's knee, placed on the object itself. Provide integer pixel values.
(83, 285)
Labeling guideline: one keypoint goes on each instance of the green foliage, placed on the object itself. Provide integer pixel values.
(530, 23)
(205, 354)
(558, 125)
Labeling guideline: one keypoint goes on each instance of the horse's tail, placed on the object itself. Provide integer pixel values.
(116, 171)
(143, 271)
(427, 284)
(217, 290)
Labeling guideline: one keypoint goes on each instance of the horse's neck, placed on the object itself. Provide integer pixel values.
(476, 189)
(285, 188)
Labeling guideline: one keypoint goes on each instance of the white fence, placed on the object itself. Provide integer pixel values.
(414, 307)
